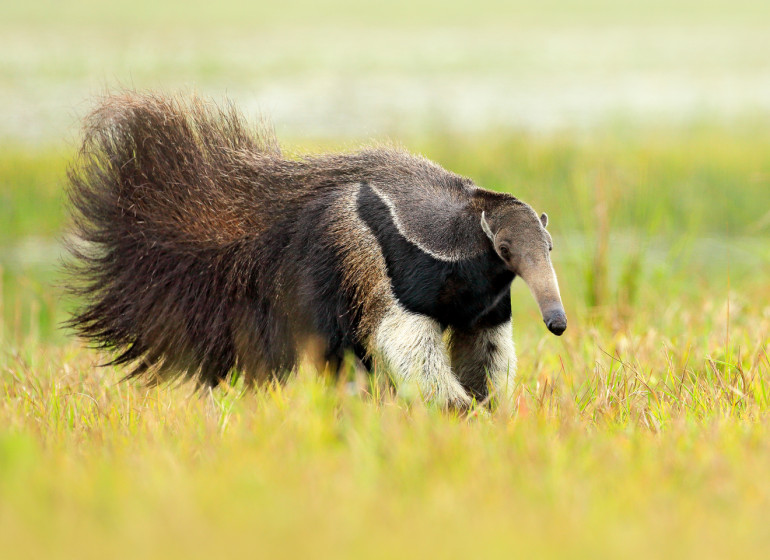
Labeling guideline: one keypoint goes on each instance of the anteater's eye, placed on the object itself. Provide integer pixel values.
(550, 248)
(504, 251)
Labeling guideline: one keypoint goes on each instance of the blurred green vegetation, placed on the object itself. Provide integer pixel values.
(684, 182)
(632, 212)
(32, 186)
(643, 431)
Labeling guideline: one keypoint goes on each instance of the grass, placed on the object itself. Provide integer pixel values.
(662, 447)
(643, 431)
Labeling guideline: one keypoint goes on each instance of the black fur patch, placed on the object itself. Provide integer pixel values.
(464, 294)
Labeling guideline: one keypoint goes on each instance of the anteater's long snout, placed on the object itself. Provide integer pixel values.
(541, 279)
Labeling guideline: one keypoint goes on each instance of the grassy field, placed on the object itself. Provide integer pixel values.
(643, 432)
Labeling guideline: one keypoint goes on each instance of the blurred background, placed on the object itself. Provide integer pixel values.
(640, 127)
(360, 69)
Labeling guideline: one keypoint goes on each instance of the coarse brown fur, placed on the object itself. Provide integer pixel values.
(171, 198)
(202, 249)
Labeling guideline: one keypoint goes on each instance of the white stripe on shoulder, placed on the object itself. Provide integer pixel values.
(452, 256)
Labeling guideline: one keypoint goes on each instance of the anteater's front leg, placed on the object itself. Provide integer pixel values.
(485, 356)
(414, 351)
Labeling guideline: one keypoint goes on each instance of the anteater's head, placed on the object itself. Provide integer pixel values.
(520, 239)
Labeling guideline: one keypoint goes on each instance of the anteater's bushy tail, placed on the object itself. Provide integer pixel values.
(169, 200)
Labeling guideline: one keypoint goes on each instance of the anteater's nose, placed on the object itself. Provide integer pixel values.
(556, 322)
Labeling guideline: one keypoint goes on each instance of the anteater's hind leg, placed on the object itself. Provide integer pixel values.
(484, 357)
(413, 349)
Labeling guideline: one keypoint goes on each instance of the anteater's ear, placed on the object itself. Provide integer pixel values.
(544, 219)
(486, 228)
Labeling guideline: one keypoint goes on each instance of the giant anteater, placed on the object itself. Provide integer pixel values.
(203, 250)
